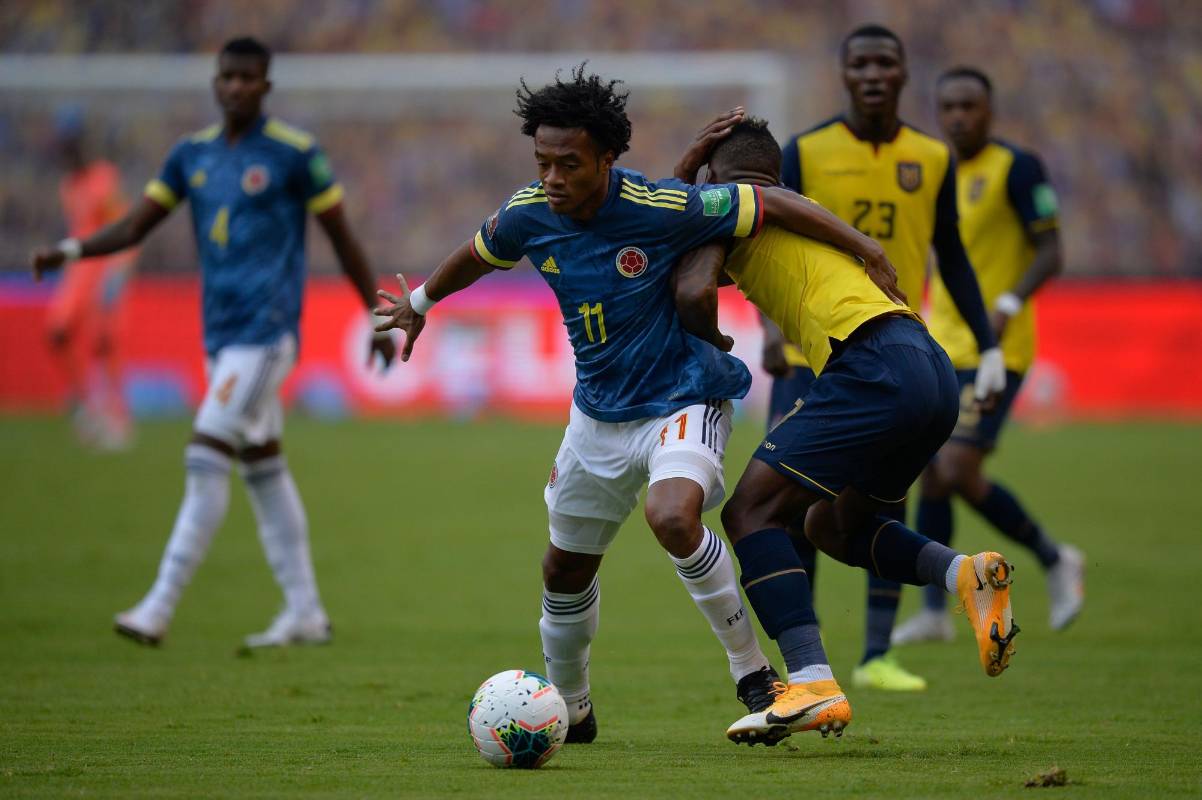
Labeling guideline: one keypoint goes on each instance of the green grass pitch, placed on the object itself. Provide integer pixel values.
(427, 538)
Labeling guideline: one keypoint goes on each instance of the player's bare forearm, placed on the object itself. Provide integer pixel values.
(457, 271)
(804, 217)
(351, 258)
(696, 293)
(1047, 264)
(120, 235)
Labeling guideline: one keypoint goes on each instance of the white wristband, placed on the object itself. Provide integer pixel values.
(71, 249)
(1008, 303)
(419, 302)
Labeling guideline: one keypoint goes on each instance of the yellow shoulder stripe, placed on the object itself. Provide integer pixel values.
(658, 194)
(542, 198)
(527, 192)
(323, 202)
(1046, 224)
(643, 201)
(745, 224)
(482, 250)
(283, 132)
(206, 134)
(161, 193)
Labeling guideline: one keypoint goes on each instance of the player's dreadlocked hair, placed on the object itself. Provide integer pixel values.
(750, 146)
(586, 101)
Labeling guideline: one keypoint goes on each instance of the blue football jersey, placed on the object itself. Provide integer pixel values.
(248, 213)
(612, 278)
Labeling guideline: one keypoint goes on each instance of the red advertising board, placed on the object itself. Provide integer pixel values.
(1106, 350)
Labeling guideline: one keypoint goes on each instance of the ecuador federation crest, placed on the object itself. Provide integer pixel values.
(255, 179)
(909, 175)
(631, 262)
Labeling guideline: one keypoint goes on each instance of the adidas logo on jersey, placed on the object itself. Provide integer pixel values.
(550, 266)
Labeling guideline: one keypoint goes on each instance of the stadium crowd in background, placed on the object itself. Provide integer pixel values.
(1111, 90)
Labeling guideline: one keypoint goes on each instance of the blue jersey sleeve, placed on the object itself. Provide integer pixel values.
(171, 186)
(1031, 194)
(501, 240)
(718, 211)
(321, 191)
(954, 267)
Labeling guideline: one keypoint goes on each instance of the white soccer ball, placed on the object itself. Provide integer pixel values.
(517, 719)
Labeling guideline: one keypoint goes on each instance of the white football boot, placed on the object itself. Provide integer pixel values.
(289, 628)
(1066, 587)
(927, 625)
(142, 625)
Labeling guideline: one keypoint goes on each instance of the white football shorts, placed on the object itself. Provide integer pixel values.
(242, 404)
(602, 466)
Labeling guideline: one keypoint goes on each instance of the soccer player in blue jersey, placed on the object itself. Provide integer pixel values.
(651, 404)
(251, 181)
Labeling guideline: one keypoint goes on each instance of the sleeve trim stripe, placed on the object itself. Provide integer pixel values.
(643, 201)
(749, 211)
(161, 193)
(1041, 225)
(481, 250)
(321, 203)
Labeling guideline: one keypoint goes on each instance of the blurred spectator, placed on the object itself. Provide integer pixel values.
(1109, 91)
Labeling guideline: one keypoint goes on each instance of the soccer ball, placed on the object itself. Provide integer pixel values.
(517, 719)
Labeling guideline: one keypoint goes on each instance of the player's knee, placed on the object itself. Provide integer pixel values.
(564, 573)
(677, 526)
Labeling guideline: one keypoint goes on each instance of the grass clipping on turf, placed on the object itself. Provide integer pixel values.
(1053, 777)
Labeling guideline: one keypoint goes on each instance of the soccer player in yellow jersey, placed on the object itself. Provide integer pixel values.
(883, 402)
(898, 185)
(1008, 218)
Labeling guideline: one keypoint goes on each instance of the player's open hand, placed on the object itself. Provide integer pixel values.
(881, 271)
(400, 316)
(383, 348)
(45, 260)
(699, 151)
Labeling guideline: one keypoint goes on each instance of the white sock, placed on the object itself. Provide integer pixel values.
(949, 579)
(568, 625)
(709, 576)
(206, 498)
(814, 672)
(284, 531)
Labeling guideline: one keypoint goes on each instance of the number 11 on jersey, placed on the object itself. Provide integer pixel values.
(589, 313)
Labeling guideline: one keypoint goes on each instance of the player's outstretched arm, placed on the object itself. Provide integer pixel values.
(353, 262)
(407, 312)
(804, 217)
(1047, 263)
(125, 232)
(696, 290)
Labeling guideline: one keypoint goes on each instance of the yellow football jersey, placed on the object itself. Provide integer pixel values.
(888, 190)
(1003, 197)
(813, 291)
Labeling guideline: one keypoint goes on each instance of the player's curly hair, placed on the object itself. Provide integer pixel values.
(586, 101)
(751, 146)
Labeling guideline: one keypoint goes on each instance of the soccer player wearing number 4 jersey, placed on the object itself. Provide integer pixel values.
(884, 400)
(1008, 218)
(250, 181)
(651, 404)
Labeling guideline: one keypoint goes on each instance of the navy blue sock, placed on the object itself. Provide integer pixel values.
(774, 581)
(883, 598)
(936, 522)
(892, 551)
(1002, 510)
(805, 551)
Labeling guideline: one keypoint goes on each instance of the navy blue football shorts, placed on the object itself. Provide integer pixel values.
(974, 427)
(787, 391)
(886, 402)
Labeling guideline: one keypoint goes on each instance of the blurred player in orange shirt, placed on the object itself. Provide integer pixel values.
(84, 318)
